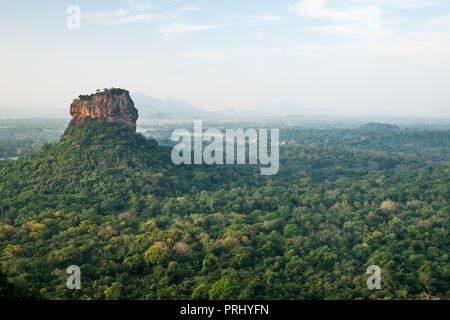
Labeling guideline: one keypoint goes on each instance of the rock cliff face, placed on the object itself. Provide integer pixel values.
(112, 105)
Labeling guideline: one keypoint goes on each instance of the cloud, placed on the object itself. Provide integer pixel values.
(204, 55)
(135, 18)
(301, 50)
(264, 18)
(348, 30)
(182, 28)
(337, 29)
(214, 55)
(402, 4)
(258, 35)
(442, 22)
(188, 8)
(269, 18)
(135, 13)
(141, 6)
(232, 16)
(431, 46)
(319, 9)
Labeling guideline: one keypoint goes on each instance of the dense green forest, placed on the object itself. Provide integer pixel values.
(26, 136)
(139, 227)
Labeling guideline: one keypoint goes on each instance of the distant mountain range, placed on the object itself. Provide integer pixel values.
(152, 108)
(173, 109)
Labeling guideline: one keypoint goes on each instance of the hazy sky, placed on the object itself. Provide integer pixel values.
(350, 56)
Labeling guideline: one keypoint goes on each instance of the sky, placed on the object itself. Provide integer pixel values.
(342, 57)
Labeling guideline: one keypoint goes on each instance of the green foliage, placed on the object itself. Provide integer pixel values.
(201, 292)
(156, 254)
(9, 291)
(113, 91)
(114, 292)
(374, 126)
(339, 204)
(224, 289)
(26, 136)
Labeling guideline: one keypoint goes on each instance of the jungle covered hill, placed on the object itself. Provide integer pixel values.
(139, 227)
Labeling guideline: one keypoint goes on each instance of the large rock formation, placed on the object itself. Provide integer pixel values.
(113, 105)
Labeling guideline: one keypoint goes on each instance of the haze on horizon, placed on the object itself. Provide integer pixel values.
(352, 57)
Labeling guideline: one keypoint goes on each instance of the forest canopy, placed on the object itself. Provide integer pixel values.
(139, 227)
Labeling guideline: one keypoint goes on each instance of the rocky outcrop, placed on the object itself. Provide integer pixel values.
(112, 105)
